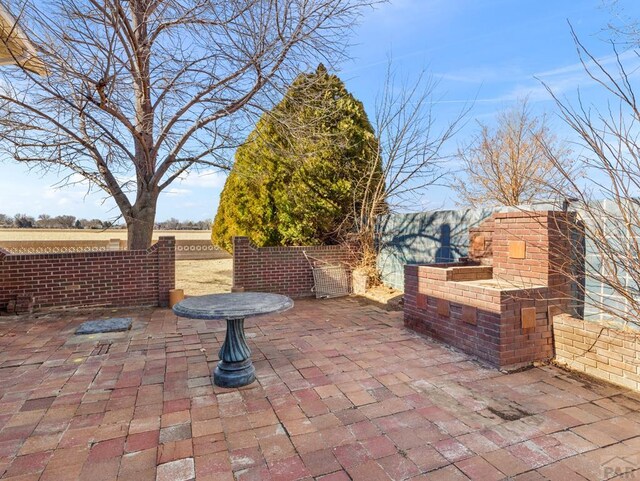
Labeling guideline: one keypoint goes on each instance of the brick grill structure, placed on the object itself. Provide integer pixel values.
(88, 279)
(280, 270)
(500, 313)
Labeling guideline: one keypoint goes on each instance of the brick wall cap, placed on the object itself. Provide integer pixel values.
(242, 240)
(604, 324)
(526, 214)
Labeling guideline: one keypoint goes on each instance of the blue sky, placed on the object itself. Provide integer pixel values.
(489, 50)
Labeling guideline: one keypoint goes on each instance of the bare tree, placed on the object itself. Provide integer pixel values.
(44, 221)
(511, 164)
(411, 157)
(23, 221)
(622, 27)
(140, 91)
(608, 277)
(5, 221)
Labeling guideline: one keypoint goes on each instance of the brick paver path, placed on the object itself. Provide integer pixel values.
(343, 392)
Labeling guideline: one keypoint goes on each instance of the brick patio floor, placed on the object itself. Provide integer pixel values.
(343, 392)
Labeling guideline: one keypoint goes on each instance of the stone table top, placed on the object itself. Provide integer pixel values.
(232, 306)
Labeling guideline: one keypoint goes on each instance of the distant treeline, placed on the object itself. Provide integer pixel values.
(44, 221)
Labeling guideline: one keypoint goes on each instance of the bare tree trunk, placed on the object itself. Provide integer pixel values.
(140, 220)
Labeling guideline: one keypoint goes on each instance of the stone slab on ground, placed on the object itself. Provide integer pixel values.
(116, 324)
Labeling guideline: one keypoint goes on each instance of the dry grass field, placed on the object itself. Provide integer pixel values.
(91, 234)
(204, 276)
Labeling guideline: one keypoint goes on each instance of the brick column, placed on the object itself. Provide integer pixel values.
(241, 262)
(4, 280)
(113, 245)
(166, 268)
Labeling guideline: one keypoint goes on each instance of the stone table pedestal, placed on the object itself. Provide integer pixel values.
(235, 368)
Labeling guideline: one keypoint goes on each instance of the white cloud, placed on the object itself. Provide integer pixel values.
(175, 192)
(561, 80)
(210, 178)
(33, 196)
(63, 197)
(568, 78)
(578, 67)
(76, 178)
(478, 75)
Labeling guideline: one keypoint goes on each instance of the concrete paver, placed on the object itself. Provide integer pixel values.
(343, 392)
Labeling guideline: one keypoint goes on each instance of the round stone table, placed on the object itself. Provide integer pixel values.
(235, 368)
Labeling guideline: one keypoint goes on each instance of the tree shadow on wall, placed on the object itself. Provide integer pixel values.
(445, 252)
(425, 237)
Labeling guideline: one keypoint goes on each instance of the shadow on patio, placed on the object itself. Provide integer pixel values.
(343, 392)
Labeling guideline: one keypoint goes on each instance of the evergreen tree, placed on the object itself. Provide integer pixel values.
(302, 172)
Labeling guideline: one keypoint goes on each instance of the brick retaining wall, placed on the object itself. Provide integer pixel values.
(600, 350)
(87, 279)
(280, 270)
